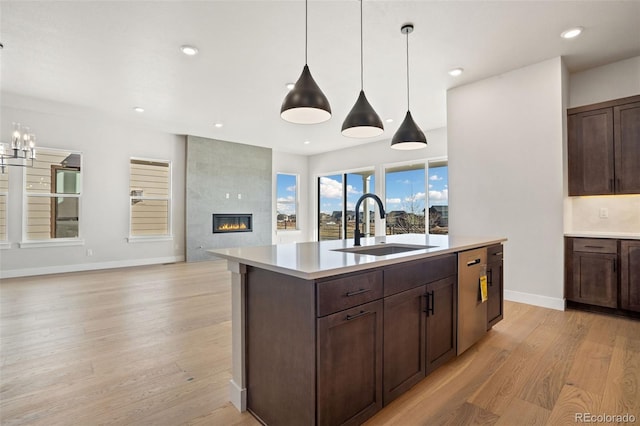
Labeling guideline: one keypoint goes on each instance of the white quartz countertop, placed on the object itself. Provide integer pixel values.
(616, 235)
(318, 259)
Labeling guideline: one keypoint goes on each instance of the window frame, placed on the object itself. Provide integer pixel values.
(157, 237)
(296, 202)
(344, 232)
(52, 242)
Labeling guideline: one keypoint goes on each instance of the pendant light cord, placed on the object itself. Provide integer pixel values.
(306, 30)
(408, 71)
(361, 51)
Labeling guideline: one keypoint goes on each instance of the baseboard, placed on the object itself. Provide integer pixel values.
(27, 272)
(237, 396)
(535, 299)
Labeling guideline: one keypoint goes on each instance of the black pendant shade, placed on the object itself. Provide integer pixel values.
(408, 136)
(362, 121)
(305, 103)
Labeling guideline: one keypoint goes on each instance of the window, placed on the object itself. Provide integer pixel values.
(286, 201)
(414, 191)
(405, 199)
(4, 193)
(336, 204)
(150, 194)
(438, 197)
(53, 188)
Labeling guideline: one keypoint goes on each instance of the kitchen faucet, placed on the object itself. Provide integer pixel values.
(356, 232)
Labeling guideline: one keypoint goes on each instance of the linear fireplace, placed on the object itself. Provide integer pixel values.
(227, 222)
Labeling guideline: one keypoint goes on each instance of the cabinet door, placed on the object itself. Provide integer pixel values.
(591, 153)
(594, 279)
(627, 148)
(442, 325)
(404, 344)
(630, 275)
(349, 361)
(495, 276)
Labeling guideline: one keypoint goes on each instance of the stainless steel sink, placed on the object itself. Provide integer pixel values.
(383, 249)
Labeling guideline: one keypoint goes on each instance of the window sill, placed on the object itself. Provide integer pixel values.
(4, 245)
(60, 242)
(284, 231)
(150, 239)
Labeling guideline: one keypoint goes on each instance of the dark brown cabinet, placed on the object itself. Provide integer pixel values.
(603, 274)
(335, 350)
(604, 148)
(420, 323)
(630, 275)
(592, 274)
(495, 277)
(442, 325)
(404, 344)
(350, 365)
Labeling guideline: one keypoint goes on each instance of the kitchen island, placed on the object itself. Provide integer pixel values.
(328, 333)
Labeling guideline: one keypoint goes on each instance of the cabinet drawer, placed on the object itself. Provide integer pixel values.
(409, 275)
(494, 253)
(346, 292)
(595, 245)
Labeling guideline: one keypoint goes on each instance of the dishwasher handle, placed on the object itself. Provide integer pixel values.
(473, 262)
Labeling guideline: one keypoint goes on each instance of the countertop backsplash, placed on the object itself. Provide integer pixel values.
(615, 215)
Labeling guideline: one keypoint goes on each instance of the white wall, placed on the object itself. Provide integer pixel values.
(505, 143)
(582, 214)
(296, 165)
(612, 81)
(107, 144)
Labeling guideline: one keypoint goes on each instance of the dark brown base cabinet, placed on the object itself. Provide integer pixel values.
(495, 276)
(603, 274)
(334, 351)
(630, 275)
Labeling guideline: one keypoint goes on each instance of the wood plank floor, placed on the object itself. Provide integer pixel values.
(152, 346)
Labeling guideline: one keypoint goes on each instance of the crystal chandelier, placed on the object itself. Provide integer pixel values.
(22, 151)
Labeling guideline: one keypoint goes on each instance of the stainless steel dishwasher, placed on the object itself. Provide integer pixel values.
(472, 311)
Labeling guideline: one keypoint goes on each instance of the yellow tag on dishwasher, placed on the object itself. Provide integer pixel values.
(483, 288)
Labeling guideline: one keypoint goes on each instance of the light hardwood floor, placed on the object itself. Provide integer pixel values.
(151, 346)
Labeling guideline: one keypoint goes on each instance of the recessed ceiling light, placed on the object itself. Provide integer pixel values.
(572, 32)
(456, 72)
(218, 125)
(389, 120)
(307, 142)
(289, 85)
(138, 109)
(189, 50)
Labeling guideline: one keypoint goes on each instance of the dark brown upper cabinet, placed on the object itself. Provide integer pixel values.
(604, 148)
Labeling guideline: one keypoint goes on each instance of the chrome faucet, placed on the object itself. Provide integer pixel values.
(356, 232)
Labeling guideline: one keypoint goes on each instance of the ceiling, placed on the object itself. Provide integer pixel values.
(114, 55)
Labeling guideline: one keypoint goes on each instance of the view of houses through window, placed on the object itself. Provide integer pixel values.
(286, 201)
(150, 193)
(416, 201)
(337, 197)
(53, 190)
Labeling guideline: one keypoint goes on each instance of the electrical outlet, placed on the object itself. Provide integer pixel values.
(604, 213)
(89, 252)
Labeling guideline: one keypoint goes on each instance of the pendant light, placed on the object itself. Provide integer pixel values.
(362, 121)
(305, 103)
(408, 135)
